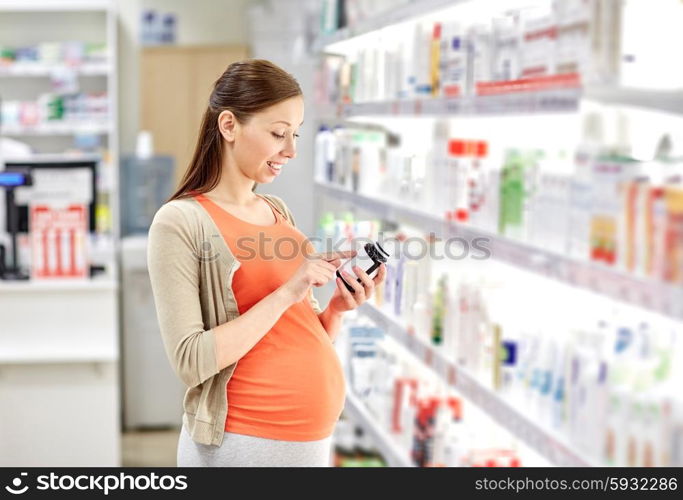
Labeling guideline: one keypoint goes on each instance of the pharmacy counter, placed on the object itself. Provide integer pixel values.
(59, 374)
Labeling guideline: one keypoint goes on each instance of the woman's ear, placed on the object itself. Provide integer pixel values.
(227, 124)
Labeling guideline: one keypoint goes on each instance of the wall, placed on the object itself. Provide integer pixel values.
(200, 22)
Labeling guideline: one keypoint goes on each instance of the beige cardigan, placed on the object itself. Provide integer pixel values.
(191, 270)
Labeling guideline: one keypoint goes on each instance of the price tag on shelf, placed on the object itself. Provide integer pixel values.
(411, 344)
(429, 357)
(452, 106)
(593, 282)
(451, 376)
(646, 299)
(625, 293)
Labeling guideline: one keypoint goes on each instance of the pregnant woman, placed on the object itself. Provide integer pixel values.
(232, 277)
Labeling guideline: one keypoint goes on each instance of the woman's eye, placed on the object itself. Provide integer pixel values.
(278, 136)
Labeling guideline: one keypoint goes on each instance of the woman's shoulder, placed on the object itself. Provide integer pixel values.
(281, 205)
(181, 212)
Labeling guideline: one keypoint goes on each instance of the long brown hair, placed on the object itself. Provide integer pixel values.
(245, 88)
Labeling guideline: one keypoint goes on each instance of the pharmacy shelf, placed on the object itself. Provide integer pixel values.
(406, 12)
(646, 293)
(46, 70)
(58, 128)
(62, 286)
(385, 443)
(545, 441)
(55, 357)
(669, 101)
(562, 100)
(54, 5)
(52, 157)
(565, 100)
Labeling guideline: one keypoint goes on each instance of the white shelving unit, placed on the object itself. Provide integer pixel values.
(649, 294)
(653, 295)
(394, 455)
(523, 426)
(59, 342)
(59, 128)
(515, 103)
(557, 100)
(54, 5)
(23, 70)
(93, 285)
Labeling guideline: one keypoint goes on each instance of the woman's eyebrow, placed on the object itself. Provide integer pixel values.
(286, 123)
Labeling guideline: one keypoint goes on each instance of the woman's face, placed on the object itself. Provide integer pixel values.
(264, 144)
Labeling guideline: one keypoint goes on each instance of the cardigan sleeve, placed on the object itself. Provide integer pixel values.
(290, 217)
(173, 263)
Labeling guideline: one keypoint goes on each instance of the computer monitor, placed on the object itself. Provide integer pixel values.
(35, 165)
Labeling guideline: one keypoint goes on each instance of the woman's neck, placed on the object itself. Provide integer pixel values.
(233, 187)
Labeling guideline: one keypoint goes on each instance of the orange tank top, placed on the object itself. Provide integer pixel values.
(290, 385)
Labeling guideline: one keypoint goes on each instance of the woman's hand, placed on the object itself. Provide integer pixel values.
(317, 270)
(343, 300)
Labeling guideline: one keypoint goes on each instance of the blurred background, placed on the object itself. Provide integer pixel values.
(522, 159)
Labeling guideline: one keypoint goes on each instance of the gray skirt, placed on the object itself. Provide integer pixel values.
(239, 450)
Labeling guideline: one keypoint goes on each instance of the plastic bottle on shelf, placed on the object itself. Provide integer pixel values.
(435, 60)
(447, 447)
(329, 20)
(457, 179)
(512, 196)
(343, 156)
(476, 184)
(506, 41)
(436, 169)
(418, 169)
(324, 154)
(422, 44)
(591, 148)
(479, 56)
(453, 65)
(575, 21)
(539, 34)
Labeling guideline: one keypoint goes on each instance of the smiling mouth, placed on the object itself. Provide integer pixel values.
(274, 166)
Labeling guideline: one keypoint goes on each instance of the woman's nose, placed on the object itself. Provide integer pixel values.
(290, 149)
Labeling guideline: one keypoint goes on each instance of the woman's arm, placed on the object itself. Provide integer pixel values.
(235, 338)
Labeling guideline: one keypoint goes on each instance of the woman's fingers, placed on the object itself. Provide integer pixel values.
(330, 256)
(358, 289)
(346, 295)
(368, 284)
(324, 275)
(381, 274)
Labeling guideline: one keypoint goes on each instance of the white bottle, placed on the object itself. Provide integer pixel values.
(324, 154)
(453, 60)
(479, 56)
(421, 60)
(506, 40)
